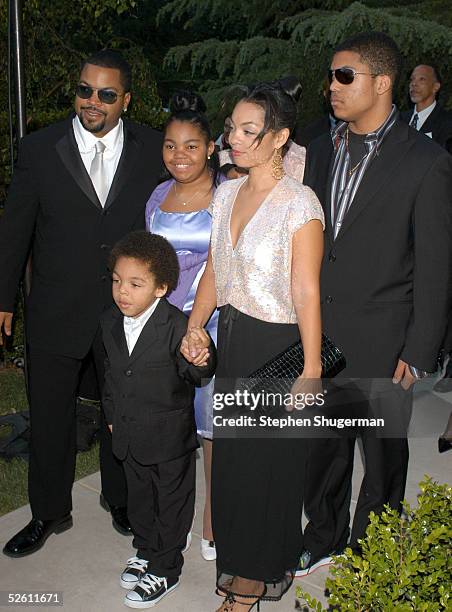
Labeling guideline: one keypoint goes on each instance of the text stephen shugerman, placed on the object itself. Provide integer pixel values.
(246, 399)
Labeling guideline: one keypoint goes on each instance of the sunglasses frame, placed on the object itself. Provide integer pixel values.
(346, 70)
(100, 93)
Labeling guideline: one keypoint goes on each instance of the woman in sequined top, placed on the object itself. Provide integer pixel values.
(263, 274)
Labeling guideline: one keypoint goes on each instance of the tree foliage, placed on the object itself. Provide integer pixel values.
(253, 40)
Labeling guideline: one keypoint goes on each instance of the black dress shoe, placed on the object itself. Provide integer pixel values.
(444, 445)
(33, 537)
(119, 517)
(444, 385)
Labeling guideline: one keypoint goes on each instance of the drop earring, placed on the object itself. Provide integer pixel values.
(277, 165)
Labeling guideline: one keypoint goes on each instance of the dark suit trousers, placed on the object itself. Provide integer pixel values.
(329, 475)
(53, 384)
(160, 507)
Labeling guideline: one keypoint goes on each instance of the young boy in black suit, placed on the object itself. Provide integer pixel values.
(148, 402)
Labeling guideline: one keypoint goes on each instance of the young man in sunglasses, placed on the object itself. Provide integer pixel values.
(386, 190)
(78, 187)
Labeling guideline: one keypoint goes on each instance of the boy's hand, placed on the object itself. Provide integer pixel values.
(110, 427)
(194, 346)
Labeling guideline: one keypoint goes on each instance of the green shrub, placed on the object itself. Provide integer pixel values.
(406, 561)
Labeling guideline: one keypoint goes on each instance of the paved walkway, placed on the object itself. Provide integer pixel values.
(84, 563)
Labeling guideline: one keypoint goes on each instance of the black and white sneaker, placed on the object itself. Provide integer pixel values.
(149, 591)
(309, 564)
(134, 572)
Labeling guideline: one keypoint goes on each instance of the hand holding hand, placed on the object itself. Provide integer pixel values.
(194, 346)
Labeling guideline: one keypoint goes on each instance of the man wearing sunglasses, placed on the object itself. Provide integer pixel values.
(385, 283)
(78, 187)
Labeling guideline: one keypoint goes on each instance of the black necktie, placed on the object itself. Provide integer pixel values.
(414, 121)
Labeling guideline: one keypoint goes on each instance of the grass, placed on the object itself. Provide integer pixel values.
(13, 474)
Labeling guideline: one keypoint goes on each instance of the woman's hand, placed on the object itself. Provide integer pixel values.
(306, 390)
(194, 346)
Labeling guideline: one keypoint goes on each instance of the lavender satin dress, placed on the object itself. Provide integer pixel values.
(189, 233)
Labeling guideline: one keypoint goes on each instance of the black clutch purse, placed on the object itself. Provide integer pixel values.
(278, 374)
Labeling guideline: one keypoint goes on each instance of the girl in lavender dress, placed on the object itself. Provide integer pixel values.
(178, 210)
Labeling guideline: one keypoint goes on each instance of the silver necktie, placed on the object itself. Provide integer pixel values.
(97, 173)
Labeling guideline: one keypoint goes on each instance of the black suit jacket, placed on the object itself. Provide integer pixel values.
(53, 208)
(386, 279)
(304, 136)
(438, 123)
(148, 396)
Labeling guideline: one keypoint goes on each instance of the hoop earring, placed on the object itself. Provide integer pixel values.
(277, 165)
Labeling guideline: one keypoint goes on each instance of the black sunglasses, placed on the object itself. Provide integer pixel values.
(345, 75)
(107, 96)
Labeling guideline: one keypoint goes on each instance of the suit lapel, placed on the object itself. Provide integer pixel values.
(380, 171)
(129, 157)
(68, 151)
(329, 180)
(117, 332)
(428, 126)
(150, 332)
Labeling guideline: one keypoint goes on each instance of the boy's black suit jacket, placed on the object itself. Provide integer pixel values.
(438, 123)
(148, 396)
(53, 209)
(386, 279)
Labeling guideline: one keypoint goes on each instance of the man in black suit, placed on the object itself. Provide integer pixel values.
(385, 282)
(78, 187)
(428, 116)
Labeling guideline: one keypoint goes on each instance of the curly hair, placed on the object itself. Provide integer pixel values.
(154, 251)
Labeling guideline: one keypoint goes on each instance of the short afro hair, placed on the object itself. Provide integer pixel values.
(110, 58)
(378, 50)
(154, 251)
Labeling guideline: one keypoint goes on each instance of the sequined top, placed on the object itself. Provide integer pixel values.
(255, 277)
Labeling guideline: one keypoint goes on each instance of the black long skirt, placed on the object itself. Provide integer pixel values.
(257, 483)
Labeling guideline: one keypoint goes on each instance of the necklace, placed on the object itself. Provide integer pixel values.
(356, 166)
(186, 201)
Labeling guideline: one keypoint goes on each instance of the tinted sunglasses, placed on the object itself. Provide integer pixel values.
(107, 96)
(345, 75)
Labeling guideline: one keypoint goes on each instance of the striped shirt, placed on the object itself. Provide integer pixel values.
(346, 179)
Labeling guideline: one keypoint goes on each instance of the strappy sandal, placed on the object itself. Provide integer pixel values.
(230, 600)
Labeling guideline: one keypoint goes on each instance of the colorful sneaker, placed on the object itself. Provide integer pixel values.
(309, 564)
(134, 572)
(149, 591)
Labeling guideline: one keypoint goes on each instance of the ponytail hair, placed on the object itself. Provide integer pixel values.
(278, 99)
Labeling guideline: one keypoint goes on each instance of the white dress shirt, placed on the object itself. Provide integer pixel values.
(133, 326)
(113, 141)
(422, 115)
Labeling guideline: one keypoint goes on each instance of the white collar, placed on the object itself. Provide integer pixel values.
(423, 114)
(86, 141)
(142, 319)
